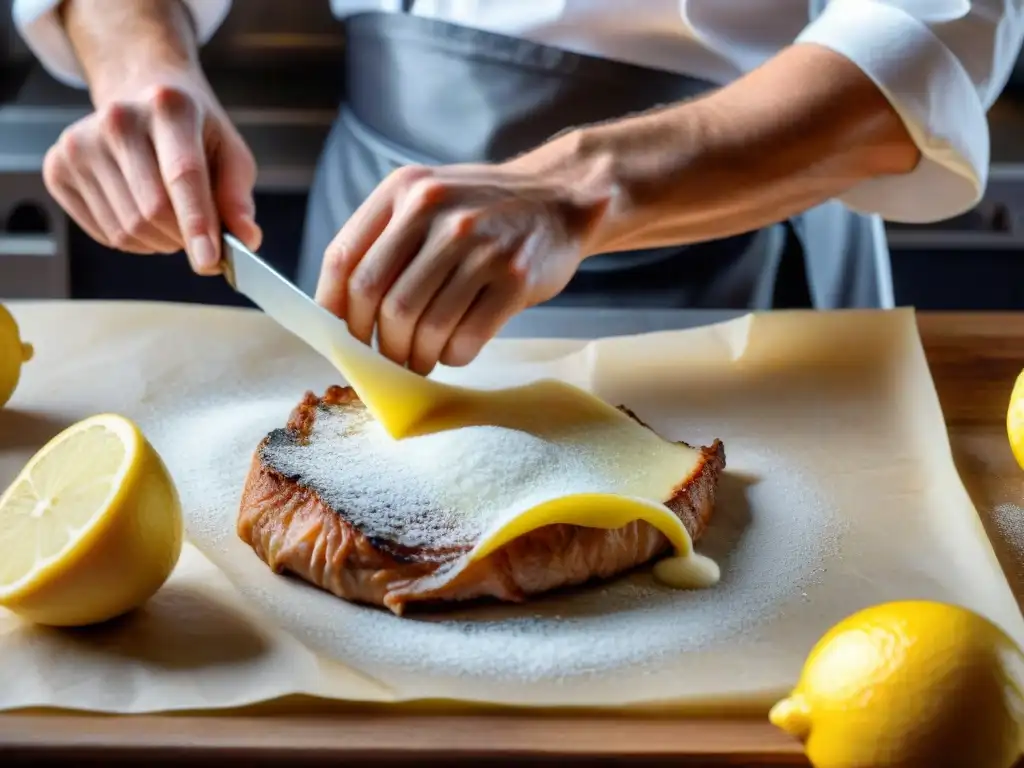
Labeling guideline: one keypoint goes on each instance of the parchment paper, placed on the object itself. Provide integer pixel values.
(840, 493)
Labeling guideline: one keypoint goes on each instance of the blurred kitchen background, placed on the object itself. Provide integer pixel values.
(276, 69)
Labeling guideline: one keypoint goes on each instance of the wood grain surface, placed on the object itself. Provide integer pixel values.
(974, 359)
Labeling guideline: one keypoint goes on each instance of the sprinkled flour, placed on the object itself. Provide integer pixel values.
(447, 489)
(1008, 520)
(772, 533)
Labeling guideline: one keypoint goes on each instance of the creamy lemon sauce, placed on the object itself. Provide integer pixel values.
(555, 455)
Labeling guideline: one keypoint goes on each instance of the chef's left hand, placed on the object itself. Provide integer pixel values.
(439, 259)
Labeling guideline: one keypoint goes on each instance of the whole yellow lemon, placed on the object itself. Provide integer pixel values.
(1015, 420)
(13, 352)
(909, 685)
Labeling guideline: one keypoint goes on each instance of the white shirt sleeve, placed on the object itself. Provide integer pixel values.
(42, 31)
(941, 64)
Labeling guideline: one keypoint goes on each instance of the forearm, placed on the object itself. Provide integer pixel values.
(800, 130)
(124, 45)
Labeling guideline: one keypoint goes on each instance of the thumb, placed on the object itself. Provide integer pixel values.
(235, 174)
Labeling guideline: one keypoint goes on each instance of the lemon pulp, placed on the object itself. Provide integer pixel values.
(90, 528)
(909, 684)
(13, 353)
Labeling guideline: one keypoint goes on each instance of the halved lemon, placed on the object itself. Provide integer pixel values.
(90, 528)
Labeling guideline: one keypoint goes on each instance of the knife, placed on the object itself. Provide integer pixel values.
(404, 402)
(279, 298)
(398, 398)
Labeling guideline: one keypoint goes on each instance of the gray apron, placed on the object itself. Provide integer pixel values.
(428, 92)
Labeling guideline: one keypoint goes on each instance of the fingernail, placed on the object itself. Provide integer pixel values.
(255, 233)
(204, 255)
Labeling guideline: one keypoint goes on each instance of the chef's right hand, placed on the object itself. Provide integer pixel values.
(155, 170)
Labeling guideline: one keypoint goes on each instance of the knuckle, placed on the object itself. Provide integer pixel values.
(170, 101)
(365, 283)
(408, 175)
(518, 278)
(432, 328)
(120, 239)
(338, 258)
(134, 225)
(462, 223)
(117, 120)
(155, 206)
(396, 307)
(461, 349)
(193, 224)
(424, 194)
(70, 145)
(54, 171)
(185, 168)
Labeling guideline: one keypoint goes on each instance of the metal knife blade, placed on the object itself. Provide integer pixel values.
(279, 298)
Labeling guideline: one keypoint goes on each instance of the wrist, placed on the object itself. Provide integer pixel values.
(635, 168)
(142, 77)
(125, 48)
(578, 168)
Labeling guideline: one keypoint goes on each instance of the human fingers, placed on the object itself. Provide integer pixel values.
(177, 140)
(346, 250)
(71, 201)
(60, 184)
(356, 237)
(493, 308)
(403, 237)
(132, 222)
(414, 289)
(126, 132)
(234, 179)
(375, 273)
(474, 273)
(74, 159)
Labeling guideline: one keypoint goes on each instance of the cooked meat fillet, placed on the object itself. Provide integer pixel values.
(292, 528)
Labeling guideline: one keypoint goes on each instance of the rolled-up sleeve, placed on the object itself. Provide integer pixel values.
(941, 64)
(42, 31)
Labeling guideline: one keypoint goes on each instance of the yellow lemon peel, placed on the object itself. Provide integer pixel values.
(908, 684)
(90, 528)
(1015, 420)
(13, 354)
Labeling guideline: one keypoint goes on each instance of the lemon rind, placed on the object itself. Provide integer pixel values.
(102, 518)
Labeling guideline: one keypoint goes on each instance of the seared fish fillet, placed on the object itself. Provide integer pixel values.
(315, 507)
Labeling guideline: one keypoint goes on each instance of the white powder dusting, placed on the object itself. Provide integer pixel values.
(447, 489)
(1008, 520)
(773, 532)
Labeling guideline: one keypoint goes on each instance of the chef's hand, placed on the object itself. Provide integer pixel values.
(155, 170)
(439, 259)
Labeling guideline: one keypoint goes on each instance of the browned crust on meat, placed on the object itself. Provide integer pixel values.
(291, 529)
